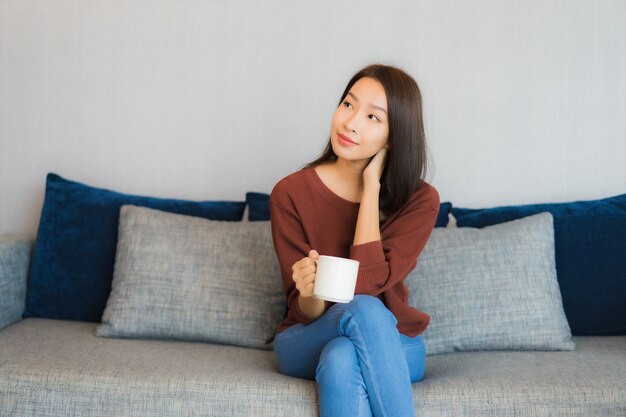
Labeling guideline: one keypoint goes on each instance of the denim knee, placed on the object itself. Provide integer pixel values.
(369, 309)
(337, 361)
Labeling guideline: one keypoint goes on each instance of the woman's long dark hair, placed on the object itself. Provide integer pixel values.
(406, 165)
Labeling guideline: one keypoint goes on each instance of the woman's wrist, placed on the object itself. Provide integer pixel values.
(371, 189)
(312, 307)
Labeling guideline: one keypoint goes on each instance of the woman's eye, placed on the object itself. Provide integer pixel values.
(347, 104)
(374, 117)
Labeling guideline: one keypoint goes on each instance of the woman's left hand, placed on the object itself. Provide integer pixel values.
(374, 169)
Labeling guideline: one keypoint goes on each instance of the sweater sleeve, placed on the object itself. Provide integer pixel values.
(291, 245)
(386, 262)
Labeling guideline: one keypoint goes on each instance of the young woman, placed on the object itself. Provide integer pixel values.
(365, 198)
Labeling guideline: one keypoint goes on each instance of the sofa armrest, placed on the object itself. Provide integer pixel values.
(15, 253)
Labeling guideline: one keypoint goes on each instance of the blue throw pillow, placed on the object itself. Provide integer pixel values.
(590, 251)
(72, 264)
(259, 209)
(442, 217)
(258, 206)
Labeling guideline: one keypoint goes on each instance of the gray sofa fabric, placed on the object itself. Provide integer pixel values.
(15, 253)
(60, 368)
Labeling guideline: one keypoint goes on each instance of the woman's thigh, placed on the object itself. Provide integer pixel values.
(299, 347)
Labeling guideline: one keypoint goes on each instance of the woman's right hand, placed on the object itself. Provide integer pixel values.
(303, 274)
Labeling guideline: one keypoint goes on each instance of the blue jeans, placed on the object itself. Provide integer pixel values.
(362, 364)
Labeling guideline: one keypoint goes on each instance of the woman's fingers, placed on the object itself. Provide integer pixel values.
(374, 169)
(302, 263)
(307, 291)
(305, 282)
(303, 273)
(304, 276)
(304, 270)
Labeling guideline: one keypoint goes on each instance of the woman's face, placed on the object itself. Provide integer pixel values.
(360, 126)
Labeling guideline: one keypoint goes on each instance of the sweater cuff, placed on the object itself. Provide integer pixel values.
(369, 253)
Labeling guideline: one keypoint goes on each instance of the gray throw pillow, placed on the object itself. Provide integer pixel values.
(493, 288)
(189, 278)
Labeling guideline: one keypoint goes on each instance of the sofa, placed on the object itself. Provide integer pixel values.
(181, 318)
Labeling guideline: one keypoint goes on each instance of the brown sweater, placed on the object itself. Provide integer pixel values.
(307, 215)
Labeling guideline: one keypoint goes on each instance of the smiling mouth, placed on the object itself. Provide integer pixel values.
(347, 139)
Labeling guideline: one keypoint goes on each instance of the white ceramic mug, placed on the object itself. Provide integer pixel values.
(335, 278)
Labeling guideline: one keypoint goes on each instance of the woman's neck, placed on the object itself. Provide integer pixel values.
(343, 177)
(351, 172)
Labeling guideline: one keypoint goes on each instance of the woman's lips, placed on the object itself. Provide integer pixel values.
(346, 140)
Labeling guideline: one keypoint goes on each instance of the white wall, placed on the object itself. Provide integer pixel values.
(525, 100)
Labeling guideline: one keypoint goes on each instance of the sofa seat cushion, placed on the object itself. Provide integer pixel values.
(589, 381)
(59, 368)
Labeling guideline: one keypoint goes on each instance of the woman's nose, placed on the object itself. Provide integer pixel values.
(351, 123)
